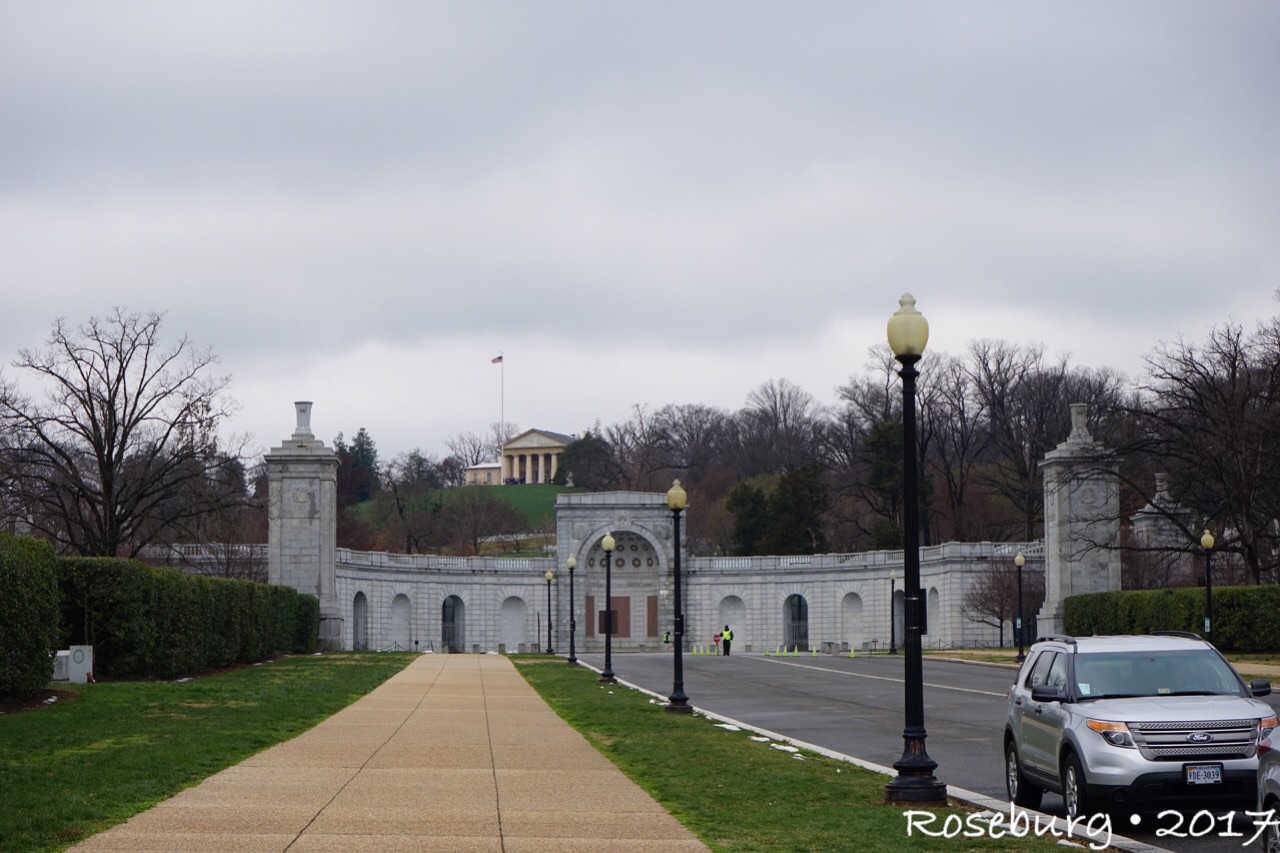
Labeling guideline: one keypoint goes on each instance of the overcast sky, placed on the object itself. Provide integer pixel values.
(362, 203)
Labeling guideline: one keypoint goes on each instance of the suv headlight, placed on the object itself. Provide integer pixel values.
(1266, 725)
(1116, 734)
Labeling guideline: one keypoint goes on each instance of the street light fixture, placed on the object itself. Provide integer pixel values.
(893, 625)
(607, 544)
(550, 576)
(677, 702)
(1020, 561)
(1206, 542)
(571, 564)
(908, 332)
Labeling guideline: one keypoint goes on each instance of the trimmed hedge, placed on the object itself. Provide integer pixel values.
(29, 626)
(1245, 618)
(149, 621)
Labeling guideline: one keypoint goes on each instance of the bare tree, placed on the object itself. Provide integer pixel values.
(472, 448)
(1210, 415)
(407, 510)
(954, 414)
(123, 446)
(778, 429)
(993, 598)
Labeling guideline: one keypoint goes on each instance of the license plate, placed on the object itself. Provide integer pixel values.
(1202, 774)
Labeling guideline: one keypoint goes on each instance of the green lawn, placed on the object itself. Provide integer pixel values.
(110, 750)
(738, 794)
(536, 502)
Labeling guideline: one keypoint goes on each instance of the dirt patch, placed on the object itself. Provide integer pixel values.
(44, 699)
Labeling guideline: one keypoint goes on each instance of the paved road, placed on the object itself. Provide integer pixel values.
(854, 706)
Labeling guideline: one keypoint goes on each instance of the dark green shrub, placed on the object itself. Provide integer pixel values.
(30, 629)
(1245, 618)
(307, 632)
(159, 622)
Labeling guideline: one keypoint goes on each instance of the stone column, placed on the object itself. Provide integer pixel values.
(1081, 521)
(302, 521)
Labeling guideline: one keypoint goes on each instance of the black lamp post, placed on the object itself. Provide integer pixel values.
(608, 545)
(1019, 561)
(550, 576)
(893, 626)
(908, 333)
(677, 702)
(571, 564)
(1206, 542)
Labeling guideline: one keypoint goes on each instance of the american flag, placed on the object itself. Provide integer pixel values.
(496, 360)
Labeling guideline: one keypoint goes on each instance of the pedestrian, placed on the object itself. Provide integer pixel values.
(727, 636)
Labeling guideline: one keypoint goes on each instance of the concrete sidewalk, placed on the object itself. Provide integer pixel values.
(455, 753)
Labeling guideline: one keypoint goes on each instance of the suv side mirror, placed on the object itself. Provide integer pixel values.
(1045, 693)
(1260, 687)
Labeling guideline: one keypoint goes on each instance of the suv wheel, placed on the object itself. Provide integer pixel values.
(1270, 840)
(1075, 793)
(1022, 792)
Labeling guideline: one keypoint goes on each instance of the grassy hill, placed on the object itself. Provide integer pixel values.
(536, 502)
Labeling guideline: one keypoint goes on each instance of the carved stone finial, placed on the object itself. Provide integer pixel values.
(1079, 420)
(303, 409)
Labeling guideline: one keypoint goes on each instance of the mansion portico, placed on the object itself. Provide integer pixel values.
(533, 456)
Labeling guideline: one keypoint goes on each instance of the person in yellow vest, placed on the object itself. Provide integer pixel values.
(727, 637)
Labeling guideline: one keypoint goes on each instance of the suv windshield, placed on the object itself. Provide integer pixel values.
(1194, 672)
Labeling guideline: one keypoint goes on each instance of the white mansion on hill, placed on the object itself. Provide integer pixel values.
(533, 456)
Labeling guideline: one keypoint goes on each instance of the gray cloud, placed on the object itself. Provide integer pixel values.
(300, 180)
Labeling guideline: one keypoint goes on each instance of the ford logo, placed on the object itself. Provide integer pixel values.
(1200, 737)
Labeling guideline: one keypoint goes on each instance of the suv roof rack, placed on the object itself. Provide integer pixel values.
(1061, 638)
(1190, 635)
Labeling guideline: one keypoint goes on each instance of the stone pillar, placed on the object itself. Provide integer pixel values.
(302, 521)
(1081, 521)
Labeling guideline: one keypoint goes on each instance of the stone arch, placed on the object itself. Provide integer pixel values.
(933, 612)
(360, 622)
(401, 634)
(733, 612)
(453, 636)
(640, 570)
(514, 623)
(795, 622)
(851, 620)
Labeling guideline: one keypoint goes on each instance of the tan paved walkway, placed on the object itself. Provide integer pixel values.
(456, 753)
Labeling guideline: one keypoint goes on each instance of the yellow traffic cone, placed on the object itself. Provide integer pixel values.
(814, 653)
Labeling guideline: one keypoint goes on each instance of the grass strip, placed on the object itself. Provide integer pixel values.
(110, 750)
(743, 795)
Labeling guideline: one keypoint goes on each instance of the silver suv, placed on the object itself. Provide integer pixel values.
(1123, 722)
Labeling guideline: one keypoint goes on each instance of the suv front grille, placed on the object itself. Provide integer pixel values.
(1171, 741)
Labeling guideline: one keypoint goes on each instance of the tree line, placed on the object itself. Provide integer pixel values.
(125, 449)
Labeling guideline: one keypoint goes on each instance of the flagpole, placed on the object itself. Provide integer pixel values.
(501, 361)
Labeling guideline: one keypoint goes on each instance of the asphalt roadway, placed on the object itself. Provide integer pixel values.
(854, 707)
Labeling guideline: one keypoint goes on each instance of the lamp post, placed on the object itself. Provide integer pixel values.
(677, 702)
(908, 332)
(1019, 561)
(1206, 542)
(571, 564)
(550, 576)
(608, 545)
(893, 627)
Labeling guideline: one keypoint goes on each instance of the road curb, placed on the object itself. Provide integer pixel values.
(969, 798)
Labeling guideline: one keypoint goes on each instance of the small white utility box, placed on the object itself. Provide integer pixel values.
(79, 664)
(61, 665)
